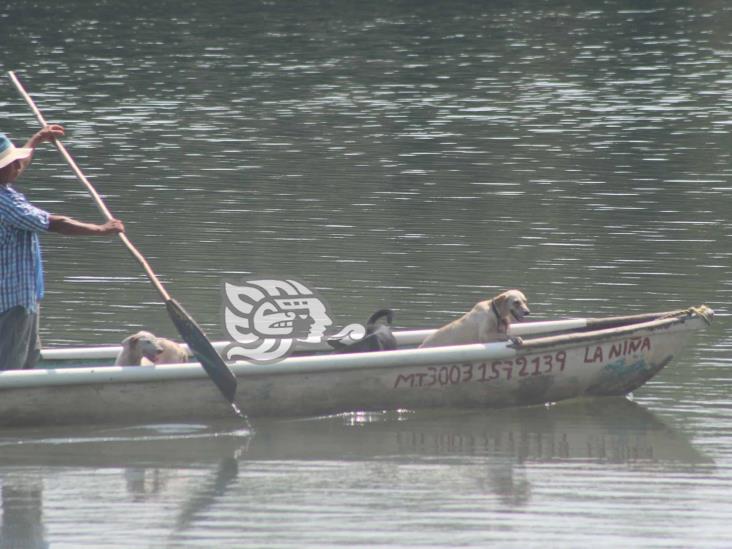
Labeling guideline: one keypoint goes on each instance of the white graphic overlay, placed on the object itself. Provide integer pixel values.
(266, 317)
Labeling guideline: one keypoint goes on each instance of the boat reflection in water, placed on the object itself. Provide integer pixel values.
(610, 429)
(192, 467)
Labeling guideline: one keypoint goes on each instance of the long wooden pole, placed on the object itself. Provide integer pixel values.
(214, 365)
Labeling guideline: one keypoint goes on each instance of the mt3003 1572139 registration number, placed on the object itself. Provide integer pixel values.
(484, 372)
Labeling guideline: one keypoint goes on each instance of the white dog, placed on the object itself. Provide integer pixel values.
(146, 348)
(487, 321)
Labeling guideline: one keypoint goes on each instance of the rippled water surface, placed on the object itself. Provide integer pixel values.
(415, 155)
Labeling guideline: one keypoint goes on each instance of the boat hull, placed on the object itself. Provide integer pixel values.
(593, 362)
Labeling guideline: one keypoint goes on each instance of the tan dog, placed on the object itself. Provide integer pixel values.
(136, 347)
(487, 321)
(146, 348)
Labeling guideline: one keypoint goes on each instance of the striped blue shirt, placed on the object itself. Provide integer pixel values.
(21, 268)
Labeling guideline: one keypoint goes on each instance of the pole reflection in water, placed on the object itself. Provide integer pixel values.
(205, 496)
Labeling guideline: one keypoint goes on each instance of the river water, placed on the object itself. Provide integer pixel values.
(416, 155)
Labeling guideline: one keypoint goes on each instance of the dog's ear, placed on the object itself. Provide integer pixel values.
(131, 340)
(501, 303)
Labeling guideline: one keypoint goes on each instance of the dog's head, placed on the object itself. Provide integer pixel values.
(143, 344)
(511, 305)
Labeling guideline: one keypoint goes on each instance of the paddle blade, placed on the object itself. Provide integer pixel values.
(199, 344)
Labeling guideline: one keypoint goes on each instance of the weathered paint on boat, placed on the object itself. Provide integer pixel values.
(556, 361)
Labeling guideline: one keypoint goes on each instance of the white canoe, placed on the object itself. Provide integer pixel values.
(557, 360)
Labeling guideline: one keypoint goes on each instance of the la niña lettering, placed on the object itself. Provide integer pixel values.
(600, 353)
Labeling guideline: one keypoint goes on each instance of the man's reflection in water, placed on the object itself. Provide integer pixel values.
(22, 517)
(143, 483)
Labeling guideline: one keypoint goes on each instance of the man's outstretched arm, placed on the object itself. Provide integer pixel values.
(66, 225)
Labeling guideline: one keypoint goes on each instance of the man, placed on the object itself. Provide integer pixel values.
(21, 271)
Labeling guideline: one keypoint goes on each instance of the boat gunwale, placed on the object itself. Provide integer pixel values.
(404, 337)
(591, 334)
